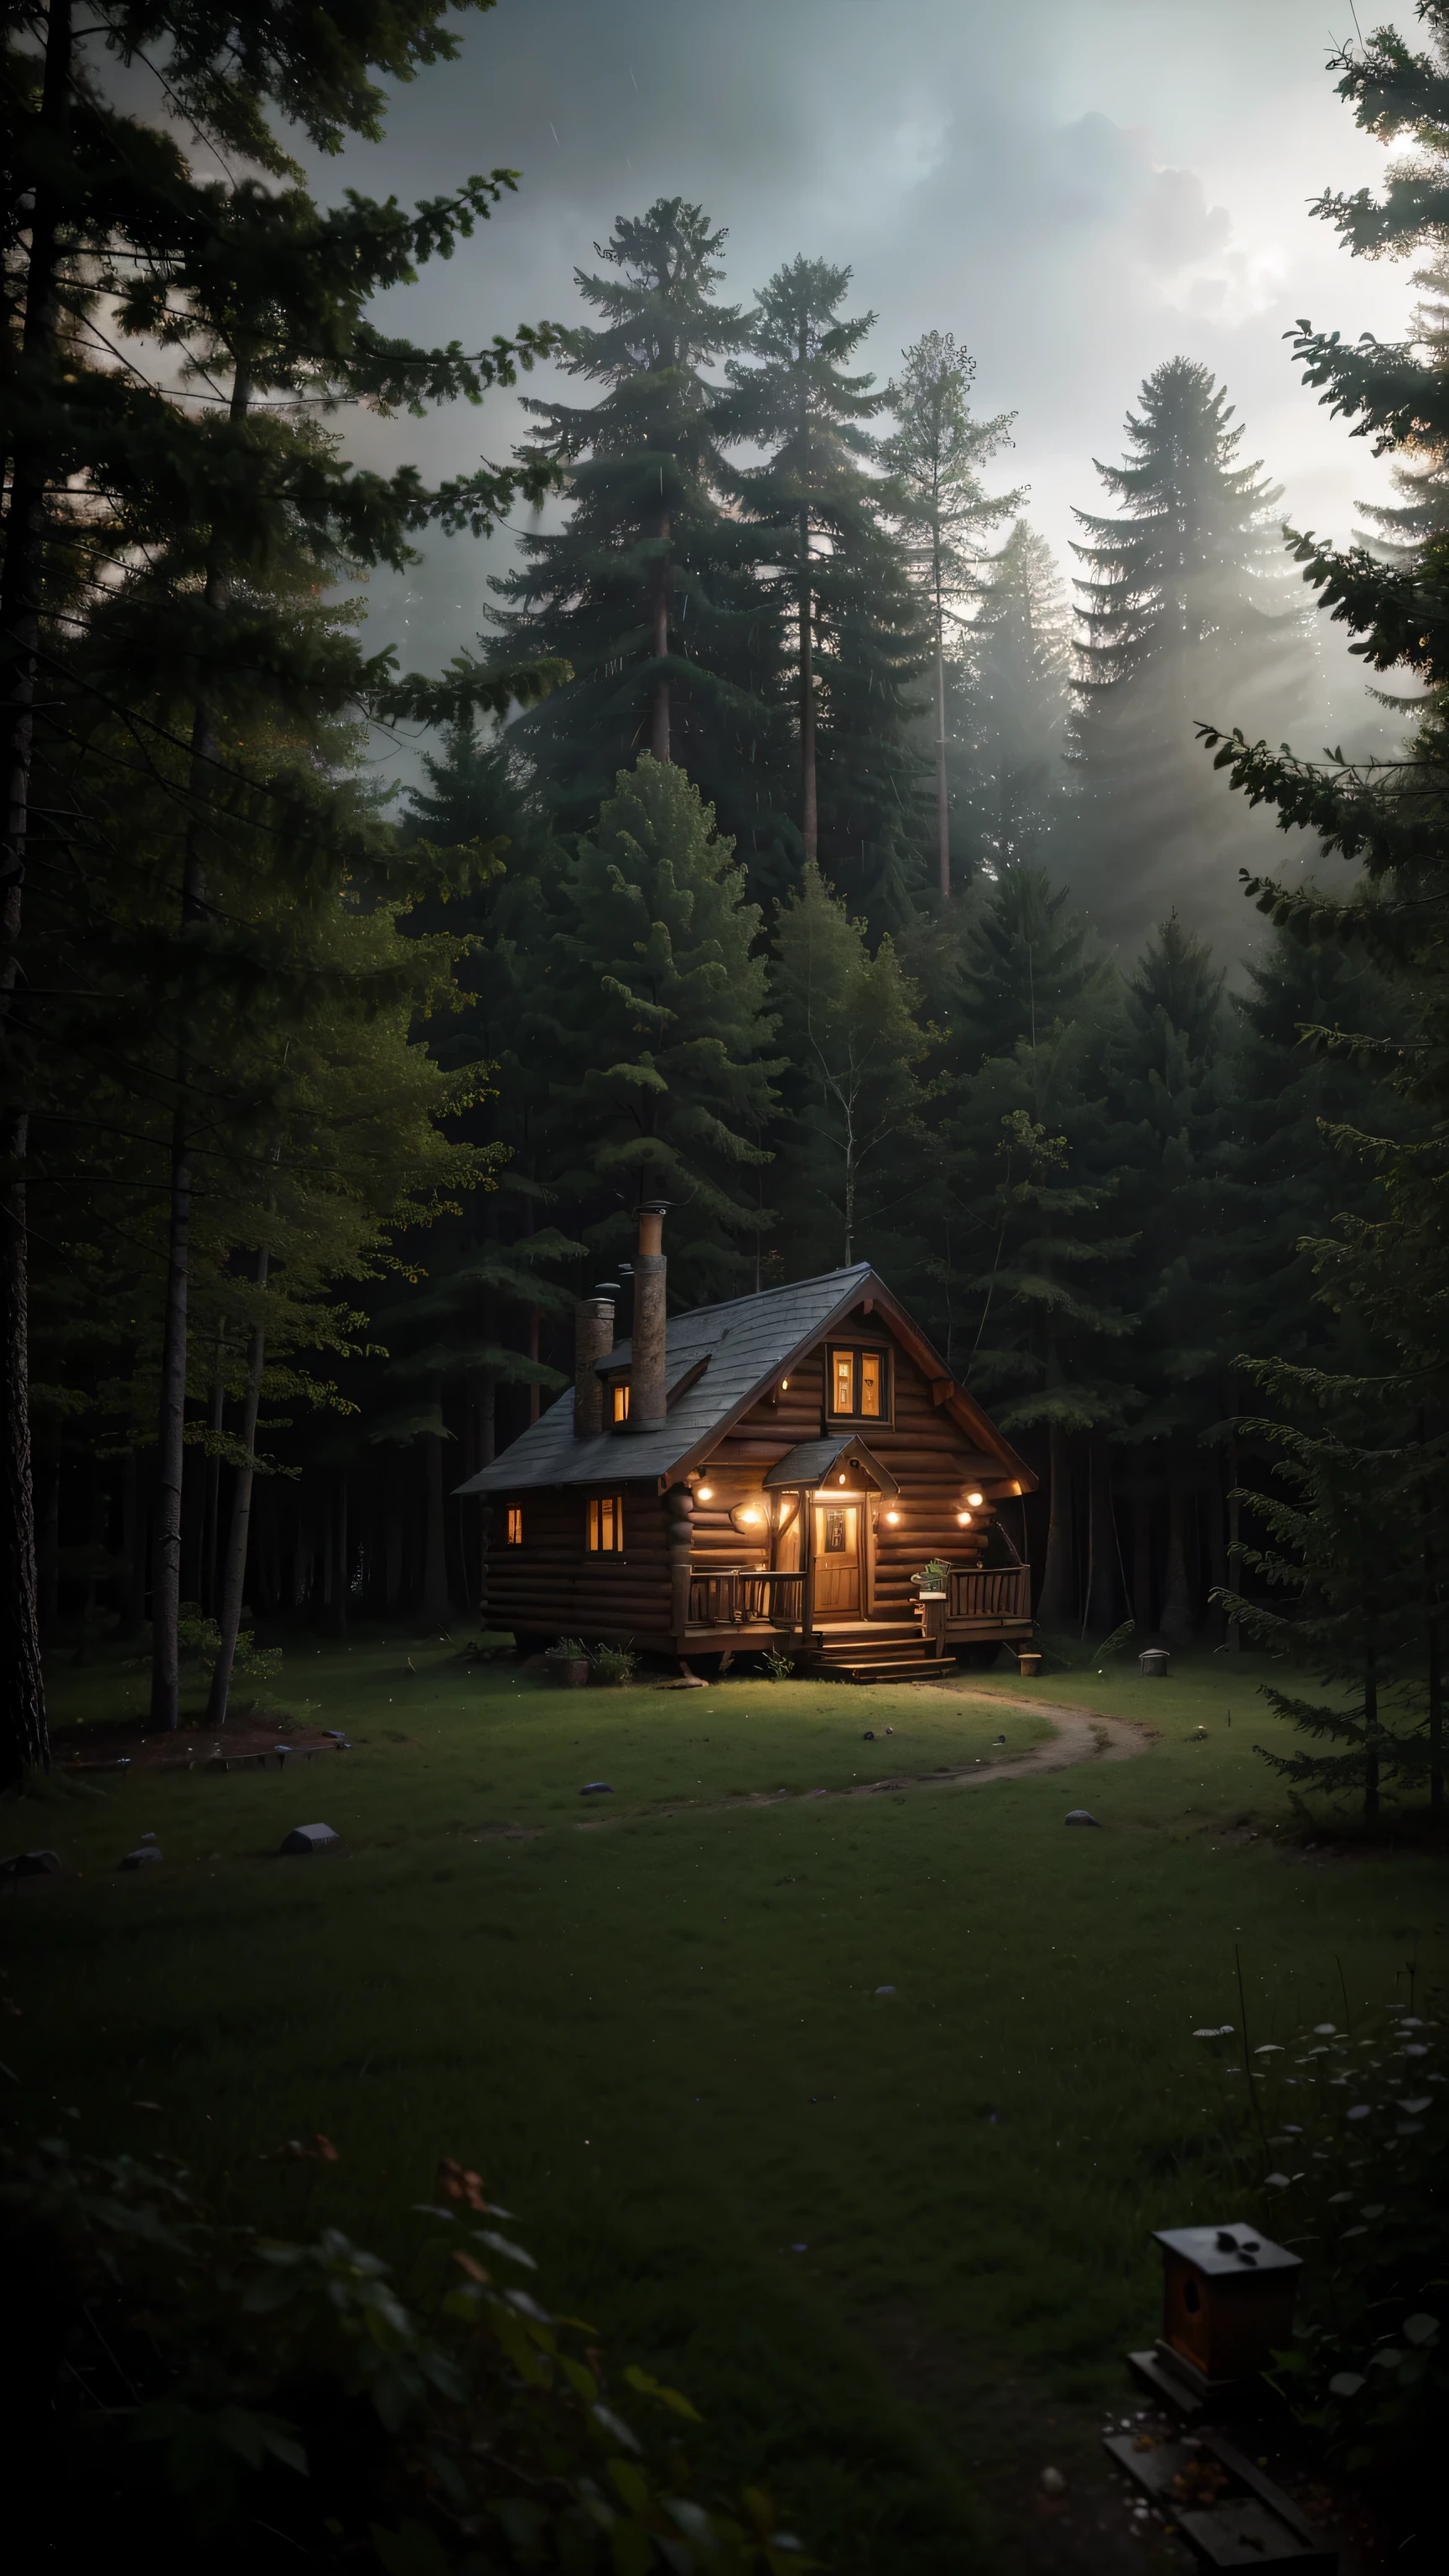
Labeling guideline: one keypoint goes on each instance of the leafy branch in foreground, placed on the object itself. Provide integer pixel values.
(440, 2424)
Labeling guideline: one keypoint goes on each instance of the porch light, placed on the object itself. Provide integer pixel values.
(784, 1386)
(963, 1518)
(893, 1517)
(974, 1499)
(704, 1494)
(840, 1480)
(749, 1519)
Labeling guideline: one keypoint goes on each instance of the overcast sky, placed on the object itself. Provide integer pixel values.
(1078, 189)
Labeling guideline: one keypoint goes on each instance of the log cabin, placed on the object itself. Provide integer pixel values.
(773, 1472)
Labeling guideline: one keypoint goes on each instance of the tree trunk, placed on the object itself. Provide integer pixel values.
(47, 1475)
(1176, 1619)
(341, 1563)
(1235, 1529)
(234, 1569)
(535, 1392)
(809, 825)
(943, 808)
(659, 715)
(211, 1493)
(1371, 1716)
(1058, 1583)
(24, 1735)
(1103, 1593)
(1142, 1560)
(434, 1607)
(171, 1442)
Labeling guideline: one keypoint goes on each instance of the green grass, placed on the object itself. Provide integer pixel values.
(659, 2033)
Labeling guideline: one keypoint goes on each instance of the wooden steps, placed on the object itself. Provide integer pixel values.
(877, 1651)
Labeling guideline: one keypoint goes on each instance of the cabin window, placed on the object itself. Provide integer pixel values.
(513, 1533)
(834, 1533)
(606, 1524)
(621, 1403)
(860, 1384)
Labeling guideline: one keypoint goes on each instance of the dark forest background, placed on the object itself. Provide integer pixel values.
(800, 844)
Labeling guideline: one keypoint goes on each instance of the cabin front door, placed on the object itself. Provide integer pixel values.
(837, 1560)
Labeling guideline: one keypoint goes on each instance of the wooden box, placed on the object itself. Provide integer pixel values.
(1227, 2300)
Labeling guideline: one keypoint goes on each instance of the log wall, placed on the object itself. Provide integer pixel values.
(551, 1585)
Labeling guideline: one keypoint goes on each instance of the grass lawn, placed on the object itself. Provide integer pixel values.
(892, 2244)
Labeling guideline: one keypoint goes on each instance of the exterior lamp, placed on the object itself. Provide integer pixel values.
(840, 1480)
(963, 1518)
(705, 1494)
(784, 1386)
(974, 1499)
(893, 1517)
(749, 1519)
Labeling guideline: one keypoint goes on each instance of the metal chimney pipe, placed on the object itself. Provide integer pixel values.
(593, 1341)
(646, 1371)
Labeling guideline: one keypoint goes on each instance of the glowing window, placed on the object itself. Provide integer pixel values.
(515, 1526)
(860, 1384)
(621, 1404)
(606, 1524)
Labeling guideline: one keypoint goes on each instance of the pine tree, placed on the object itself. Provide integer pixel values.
(209, 518)
(658, 1017)
(842, 584)
(1185, 608)
(1008, 710)
(933, 456)
(848, 1167)
(649, 591)
(1388, 1264)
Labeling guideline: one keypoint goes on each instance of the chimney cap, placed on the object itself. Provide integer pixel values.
(605, 1288)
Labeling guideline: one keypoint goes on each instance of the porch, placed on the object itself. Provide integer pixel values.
(744, 1607)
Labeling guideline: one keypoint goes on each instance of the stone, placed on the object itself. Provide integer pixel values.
(309, 1838)
(146, 1851)
(869, 1736)
(1081, 1816)
(597, 1789)
(1053, 2483)
(31, 1864)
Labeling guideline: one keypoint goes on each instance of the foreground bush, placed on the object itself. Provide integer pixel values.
(251, 2397)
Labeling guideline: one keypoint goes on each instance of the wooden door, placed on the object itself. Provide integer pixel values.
(837, 1560)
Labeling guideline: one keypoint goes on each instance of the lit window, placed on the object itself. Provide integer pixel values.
(860, 1384)
(515, 1525)
(621, 1404)
(606, 1524)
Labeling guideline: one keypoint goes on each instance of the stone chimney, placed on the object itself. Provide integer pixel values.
(593, 1341)
(646, 1372)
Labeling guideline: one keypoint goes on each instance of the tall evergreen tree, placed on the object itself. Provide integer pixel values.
(842, 582)
(1185, 608)
(1008, 709)
(658, 1029)
(649, 590)
(1389, 816)
(158, 560)
(848, 1165)
(934, 455)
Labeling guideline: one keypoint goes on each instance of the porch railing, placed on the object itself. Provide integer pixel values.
(735, 1600)
(990, 1592)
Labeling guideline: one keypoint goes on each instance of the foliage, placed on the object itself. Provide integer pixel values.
(615, 1665)
(452, 2423)
(1355, 2113)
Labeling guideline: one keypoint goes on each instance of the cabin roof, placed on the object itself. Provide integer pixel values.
(722, 1359)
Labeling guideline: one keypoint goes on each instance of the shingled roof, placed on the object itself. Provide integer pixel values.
(743, 1346)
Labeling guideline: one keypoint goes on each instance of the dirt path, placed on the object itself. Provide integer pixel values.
(1080, 1736)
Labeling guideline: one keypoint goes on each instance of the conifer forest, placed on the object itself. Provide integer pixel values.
(565, 769)
(799, 841)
